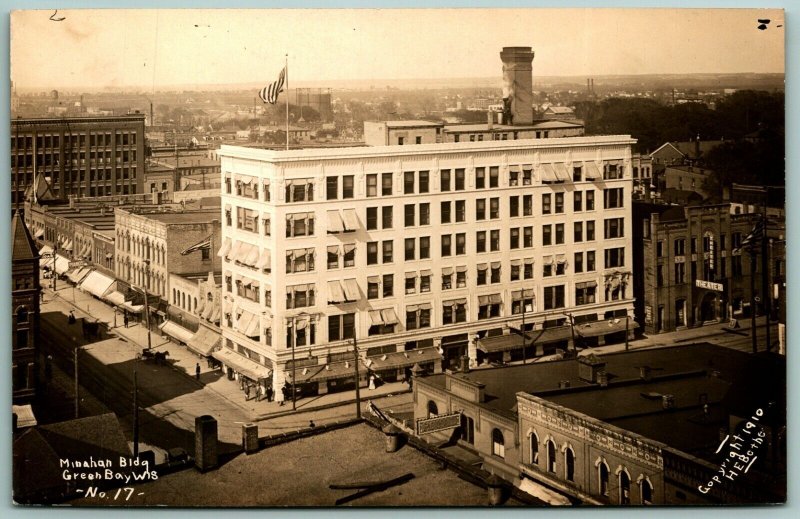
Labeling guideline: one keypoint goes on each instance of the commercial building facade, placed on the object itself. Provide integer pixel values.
(81, 156)
(421, 253)
(25, 295)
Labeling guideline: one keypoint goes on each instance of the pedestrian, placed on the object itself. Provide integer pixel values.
(311, 424)
(197, 371)
(71, 317)
(258, 392)
(371, 382)
(269, 393)
(125, 319)
(247, 392)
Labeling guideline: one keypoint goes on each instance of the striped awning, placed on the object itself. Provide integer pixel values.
(97, 284)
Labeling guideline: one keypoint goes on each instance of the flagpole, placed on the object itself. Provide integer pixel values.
(286, 68)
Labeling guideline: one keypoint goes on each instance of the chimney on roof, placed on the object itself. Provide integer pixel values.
(490, 119)
(668, 401)
(589, 368)
(563, 384)
(517, 85)
(465, 364)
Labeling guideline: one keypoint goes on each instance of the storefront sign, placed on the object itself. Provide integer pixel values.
(438, 423)
(709, 285)
(648, 314)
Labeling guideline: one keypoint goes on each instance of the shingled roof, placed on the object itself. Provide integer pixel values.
(22, 245)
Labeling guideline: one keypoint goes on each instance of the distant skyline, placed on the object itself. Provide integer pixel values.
(151, 49)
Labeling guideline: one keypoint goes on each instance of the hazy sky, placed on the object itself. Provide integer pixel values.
(150, 48)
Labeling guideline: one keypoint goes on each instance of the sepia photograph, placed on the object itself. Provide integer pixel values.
(444, 257)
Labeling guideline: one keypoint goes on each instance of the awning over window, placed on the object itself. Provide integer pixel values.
(248, 324)
(225, 249)
(62, 264)
(483, 266)
(518, 295)
(547, 173)
(247, 282)
(39, 233)
(176, 331)
(516, 262)
(335, 292)
(605, 327)
(495, 265)
(86, 252)
(67, 245)
(447, 271)
(491, 299)
(514, 169)
(241, 364)
(204, 341)
(386, 316)
(401, 359)
(375, 318)
(335, 223)
(265, 260)
(586, 284)
(233, 253)
(351, 290)
(529, 261)
(97, 284)
(591, 171)
(561, 172)
(350, 220)
(561, 258)
(454, 302)
(252, 257)
(461, 268)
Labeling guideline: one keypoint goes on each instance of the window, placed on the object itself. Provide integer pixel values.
(411, 283)
(577, 173)
(578, 263)
(341, 327)
(333, 257)
(425, 214)
(612, 172)
(425, 281)
(513, 177)
(349, 255)
(386, 216)
(401, 141)
(551, 456)
(559, 233)
(659, 248)
(612, 198)
(614, 228)
(432, 409)
(615, 257)
(498, 443)
(694, 245)
(424, 181)
(461, 278)
(590, 200)
(418, 316)
(603, 477)
(446, 245)
(408, 182)
(348, 183)
(388, 251)
(454, 312)
(528, 269)
(482, 270)
(480, 209)
(534, 448)
(679, 247)
(494, 208)
(418, 140)
(559, 202)
(447, 279)
(332, 188)
(554, 297)
(547, 234)
(527, 235)
(680, 273)
(480, 178)
(546, 203)
(372, 185)
(578, 232)
(410, 249)
(494, 240)
(460, 176)
(494, 175)
(480, 241)
(372, 218)
(590, 230)
(445, 212)
(299, 296)
(527, 205)
(388, 285)
(246, 219)
(514, 238)
(372, 253)
(373, 287)
(444, 180)
(299, 224)
(424, 247)
(386, 184)
(461, 244)
(495, 273)
(461, 211)
(513, 206)
(646, 492)
(577, 201)
(299, 260)
(409, 212)
(300, 190)
(527, 177)
(489, 306)
(585, 293)
(569, 464)
(624, 488)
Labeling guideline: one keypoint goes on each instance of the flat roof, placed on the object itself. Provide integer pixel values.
(408, 124)
(194, 216)
(536, 125)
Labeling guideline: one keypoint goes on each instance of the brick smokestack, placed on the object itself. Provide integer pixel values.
(517, 84)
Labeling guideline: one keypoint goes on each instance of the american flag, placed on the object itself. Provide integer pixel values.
(755, 236)
(205, 244)
(269, 94)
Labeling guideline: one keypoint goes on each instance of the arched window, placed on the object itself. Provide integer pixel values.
(498, 443)
(624, 488)
(534, 448)
(194, 307)
(433, 410)
(22, 315)
(569, 464)
(646, 492)
(551, 456)
(603, 476)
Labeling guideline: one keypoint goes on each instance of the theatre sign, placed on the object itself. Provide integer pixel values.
(709, 285)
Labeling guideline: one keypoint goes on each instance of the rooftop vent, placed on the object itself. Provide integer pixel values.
(668, 401)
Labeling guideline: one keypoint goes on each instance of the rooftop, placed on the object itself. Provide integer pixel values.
(196, 216)
(536, 125)
(416, 123)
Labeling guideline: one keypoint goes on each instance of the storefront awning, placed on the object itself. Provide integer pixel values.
(115, 298)
(25, 416)
(77, 275)
(243, 365)
(335, 223)
(320, 373)
(402, 359)
(335, 292)
(176, 331)
(350, 220)
(97, 284)
(46, 249)
(204, 341)
(62, 264)
(38, 234)
(500, 343)
(597, 328)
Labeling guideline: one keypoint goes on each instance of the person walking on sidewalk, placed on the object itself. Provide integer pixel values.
(125, 319)
(269, 393)
(197, 371)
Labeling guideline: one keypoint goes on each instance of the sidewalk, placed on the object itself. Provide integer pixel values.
(185, 362)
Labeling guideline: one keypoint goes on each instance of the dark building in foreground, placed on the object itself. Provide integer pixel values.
(80, 156)
(25, 292)
(643, 427)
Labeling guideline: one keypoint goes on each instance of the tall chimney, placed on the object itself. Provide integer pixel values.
(490, 119)
(518, 84)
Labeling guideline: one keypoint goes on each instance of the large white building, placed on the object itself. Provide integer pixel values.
(424, 253)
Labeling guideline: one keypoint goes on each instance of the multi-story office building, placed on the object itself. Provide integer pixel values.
(81, 156)
(421, 253)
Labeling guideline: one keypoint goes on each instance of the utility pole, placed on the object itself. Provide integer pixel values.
(294, 368)
(765, 284)
(75, 363)
(358, 389)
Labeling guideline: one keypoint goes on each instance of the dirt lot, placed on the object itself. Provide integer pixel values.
(298, 474)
